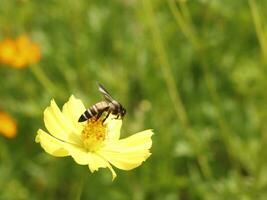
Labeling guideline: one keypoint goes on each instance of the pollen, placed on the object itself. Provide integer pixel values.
(93, 134)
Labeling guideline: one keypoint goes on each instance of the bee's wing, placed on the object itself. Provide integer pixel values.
(106, 94)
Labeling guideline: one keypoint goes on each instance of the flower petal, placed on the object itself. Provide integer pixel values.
(114, 127)
(59, 148)
(73, 110)
(97, 162)
(59, 126)
(94, 161)
(130, 152)
(50, 144)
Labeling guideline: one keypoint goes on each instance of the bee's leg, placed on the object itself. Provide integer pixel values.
(98, 115)
(117, 116)
(106, 117)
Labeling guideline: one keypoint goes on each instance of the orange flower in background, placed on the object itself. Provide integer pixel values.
(19, 52)
(8, 126)
(7, 51)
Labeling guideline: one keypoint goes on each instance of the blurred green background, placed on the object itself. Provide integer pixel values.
(194, 71)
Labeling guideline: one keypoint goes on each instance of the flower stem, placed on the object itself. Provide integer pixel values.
(173, 91)
(81, 185)
(183, 20)
(45, 81)
(258, 27)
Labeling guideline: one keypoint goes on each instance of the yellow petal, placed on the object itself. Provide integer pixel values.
(94, 161)
(80, 155)
(59, 126)
(73, 109)
(135, 142)
(130, 152)
(98, 162)
(114, 127)
(126, 161)
(50, 144)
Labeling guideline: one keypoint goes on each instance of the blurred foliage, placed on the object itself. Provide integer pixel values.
(194, 71)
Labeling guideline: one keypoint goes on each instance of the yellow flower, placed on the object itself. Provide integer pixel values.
(8, 126)
(19, 52)
(91, 143)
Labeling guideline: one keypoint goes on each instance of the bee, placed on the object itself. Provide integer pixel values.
(108, 105)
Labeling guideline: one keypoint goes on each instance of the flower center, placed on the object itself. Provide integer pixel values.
(93, 134)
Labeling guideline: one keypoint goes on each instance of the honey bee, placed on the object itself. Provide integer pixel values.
(109, 105)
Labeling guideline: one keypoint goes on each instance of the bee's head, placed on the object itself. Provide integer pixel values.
(118, 109)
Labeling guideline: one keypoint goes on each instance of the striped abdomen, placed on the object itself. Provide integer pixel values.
(95, 110)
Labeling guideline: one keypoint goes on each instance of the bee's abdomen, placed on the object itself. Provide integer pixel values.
(93, 111)
(86, 115)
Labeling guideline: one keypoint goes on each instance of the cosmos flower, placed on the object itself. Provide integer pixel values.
(19, 52)
(8, 126)
(91, 143)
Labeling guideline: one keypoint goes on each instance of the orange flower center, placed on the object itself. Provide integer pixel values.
(93, 134)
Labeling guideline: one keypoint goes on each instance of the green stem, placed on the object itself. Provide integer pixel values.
(185, 26)
(45, 81)
(187, 30)
(173, 90)
(258, 27)
(165, 66)
(81, 185)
